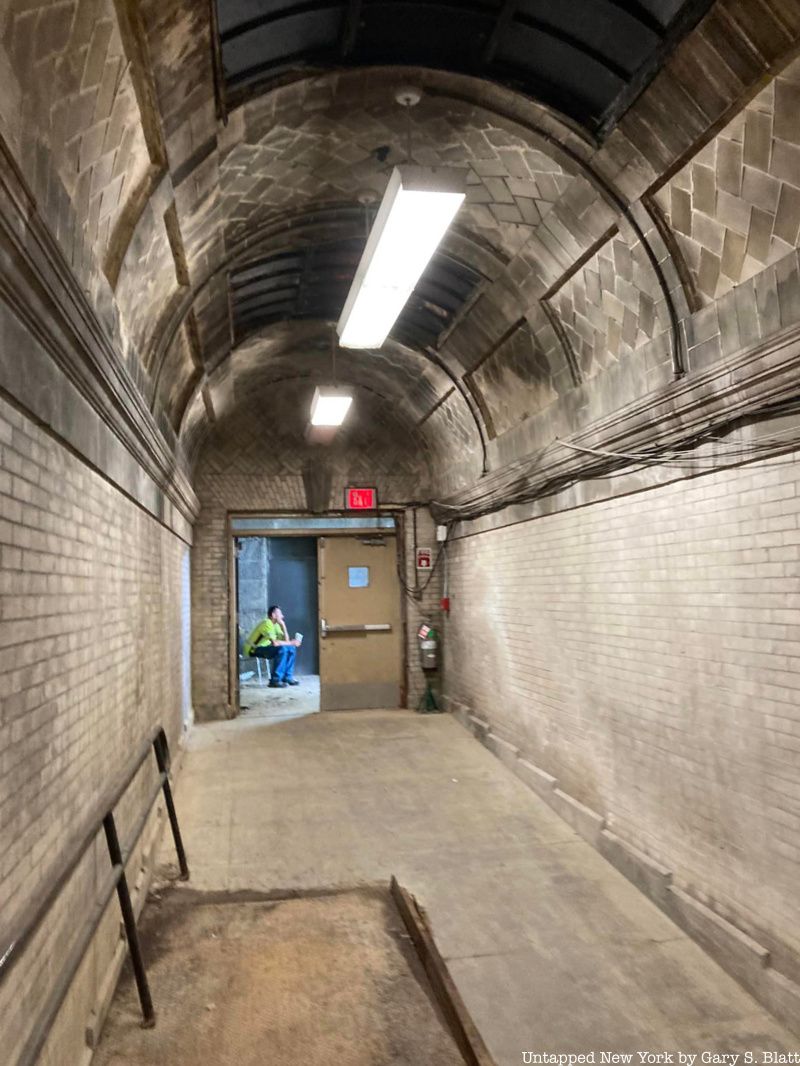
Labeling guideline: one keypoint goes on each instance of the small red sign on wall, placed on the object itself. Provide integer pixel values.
(360, 499)
(424, 558)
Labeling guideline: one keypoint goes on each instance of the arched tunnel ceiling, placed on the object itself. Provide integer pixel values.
(312, 283)
(290, 167)
(546, 279)
(160, 187)
(585, 58)
(410, 402)
(257, 451)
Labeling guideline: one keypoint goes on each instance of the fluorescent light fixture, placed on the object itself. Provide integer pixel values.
(418, 206)
(329, 406)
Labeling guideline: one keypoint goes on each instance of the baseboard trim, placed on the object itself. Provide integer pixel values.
(738, 953)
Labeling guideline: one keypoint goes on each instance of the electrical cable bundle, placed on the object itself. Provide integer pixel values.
(543, 474)
(415, 592)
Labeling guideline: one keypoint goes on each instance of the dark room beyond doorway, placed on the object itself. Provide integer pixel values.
(278, 570)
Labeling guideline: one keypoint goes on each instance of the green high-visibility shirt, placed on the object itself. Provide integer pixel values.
(264, 633)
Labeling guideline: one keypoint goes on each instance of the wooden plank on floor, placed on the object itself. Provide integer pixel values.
(465, 1033)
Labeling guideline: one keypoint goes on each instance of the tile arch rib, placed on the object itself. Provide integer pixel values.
(409, 388)
(336, 223)
(537, 128)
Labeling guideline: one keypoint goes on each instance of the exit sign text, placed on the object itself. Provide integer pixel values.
(360, 499)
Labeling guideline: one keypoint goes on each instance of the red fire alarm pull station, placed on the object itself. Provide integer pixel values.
(360, 499)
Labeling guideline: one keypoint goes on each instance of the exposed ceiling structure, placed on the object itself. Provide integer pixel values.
(585, 58)
(313, 282)
(285, 120)
(204, 169)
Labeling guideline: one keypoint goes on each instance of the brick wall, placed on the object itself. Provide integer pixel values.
(426, 606)
(253, 463)
(275, 489)
(90, 661)
(210, 615)
(645, 651)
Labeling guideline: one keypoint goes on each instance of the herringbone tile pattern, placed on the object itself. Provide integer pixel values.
(735, 208)
(515, 381)
(254, 457)
(611, 306)
(147, 280)
(406, 385)
(81, 118)
(304, 156)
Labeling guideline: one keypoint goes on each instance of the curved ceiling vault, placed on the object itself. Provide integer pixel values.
(284, 114)
(204, 166)
(312, 282)
(289, 179)
(254, 447)
(407, 409)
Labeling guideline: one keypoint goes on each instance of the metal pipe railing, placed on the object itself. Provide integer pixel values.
(32, 916)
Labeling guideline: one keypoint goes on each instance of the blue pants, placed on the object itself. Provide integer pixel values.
(281, 658)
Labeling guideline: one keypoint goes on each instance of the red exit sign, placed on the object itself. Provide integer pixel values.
(361, 499)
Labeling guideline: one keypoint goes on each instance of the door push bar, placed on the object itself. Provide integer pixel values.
(380, 627)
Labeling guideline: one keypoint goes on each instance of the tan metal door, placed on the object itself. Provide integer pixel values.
(360, 659)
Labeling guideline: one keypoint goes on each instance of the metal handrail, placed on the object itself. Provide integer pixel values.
(31, 917)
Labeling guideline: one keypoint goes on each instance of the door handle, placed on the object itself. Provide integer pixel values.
(323, 628)
(381, 627)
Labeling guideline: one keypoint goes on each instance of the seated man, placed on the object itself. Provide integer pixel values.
(270, 640)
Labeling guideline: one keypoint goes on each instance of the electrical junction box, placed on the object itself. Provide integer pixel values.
(441, 533)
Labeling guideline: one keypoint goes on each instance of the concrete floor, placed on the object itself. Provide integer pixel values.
(323, 980)
(550, 948)
(260, 701)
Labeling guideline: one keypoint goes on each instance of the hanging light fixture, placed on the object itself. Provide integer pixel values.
(329, 406)
(417, 207)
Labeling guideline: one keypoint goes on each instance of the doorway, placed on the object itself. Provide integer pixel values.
(360, 622)
(278, 570)
(337, 580)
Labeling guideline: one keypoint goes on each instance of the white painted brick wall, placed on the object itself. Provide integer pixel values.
(646, 652)
(427, 607)
(90, 643)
